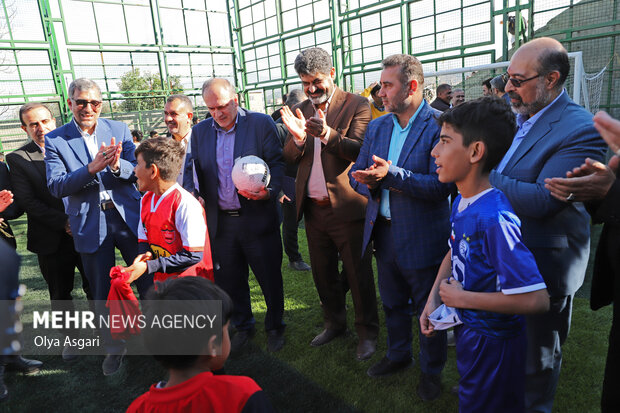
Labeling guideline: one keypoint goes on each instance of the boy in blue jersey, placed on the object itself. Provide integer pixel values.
(488, 276)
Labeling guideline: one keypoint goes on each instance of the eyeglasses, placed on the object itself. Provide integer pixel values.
(82, 103)
(518, 83)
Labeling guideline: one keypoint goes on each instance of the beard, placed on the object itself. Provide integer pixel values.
(398, 103)
(541, 100)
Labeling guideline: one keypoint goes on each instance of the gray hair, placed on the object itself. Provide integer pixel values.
(499, 83)
(410, 68)
(225, 82)
(295, 96)
(184, 99)
(312, 61)
(83, 84)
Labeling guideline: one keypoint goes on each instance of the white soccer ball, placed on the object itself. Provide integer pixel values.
(250, 173)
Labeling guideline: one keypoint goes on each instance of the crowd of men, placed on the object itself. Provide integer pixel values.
(362, 184)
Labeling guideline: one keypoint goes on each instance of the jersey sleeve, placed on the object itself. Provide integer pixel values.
(191, 224)
(516, 268)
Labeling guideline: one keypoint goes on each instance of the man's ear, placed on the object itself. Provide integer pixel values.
(413, 86)
(477, 151)
(552, 79)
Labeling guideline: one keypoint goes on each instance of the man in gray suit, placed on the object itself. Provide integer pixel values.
(554, 136)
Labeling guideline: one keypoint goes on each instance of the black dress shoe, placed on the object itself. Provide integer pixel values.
(240, 339)
(299, 265)
(387, 367)
(326, 336)
(429, 387)
(365, 349)
(23, 365)
(275, 340)
(112, 363)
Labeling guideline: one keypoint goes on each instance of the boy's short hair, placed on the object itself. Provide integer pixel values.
(194, 293)
(487, 119)
(166, 153)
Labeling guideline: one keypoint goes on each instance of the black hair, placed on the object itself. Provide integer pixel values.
(31, 106)
(375, 89)
(194, 294)
(488, 119)
(166, 153)
(136, 133)
(554, 60)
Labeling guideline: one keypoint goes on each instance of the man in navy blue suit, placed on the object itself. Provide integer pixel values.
(89, 162)
(243, 226)
(554, 135)
(407, 216)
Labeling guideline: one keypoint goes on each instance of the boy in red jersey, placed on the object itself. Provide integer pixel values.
(192, 387)
(172, 233)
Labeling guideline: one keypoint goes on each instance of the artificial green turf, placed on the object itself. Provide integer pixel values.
(298, 378)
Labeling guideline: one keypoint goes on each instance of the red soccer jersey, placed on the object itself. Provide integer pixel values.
(204, 393)
(173, 222)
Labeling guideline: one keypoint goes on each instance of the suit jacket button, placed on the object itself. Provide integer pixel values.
(372, 222)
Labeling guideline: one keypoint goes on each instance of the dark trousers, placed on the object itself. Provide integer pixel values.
(403, 291)
(58, 270)
(97, 266)
(236, 246)
(289, 231)
(546, 333)
(328, 237)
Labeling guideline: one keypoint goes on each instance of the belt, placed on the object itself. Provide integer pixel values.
(231, 212)
(321, 202)
(383, 220)
(105, 205)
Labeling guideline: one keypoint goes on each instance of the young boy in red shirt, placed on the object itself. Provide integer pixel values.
(191, 386)
(172, 233)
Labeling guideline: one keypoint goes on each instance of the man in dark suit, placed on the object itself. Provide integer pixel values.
(89, 162)
(49, 233)
(243, 226)
(444, 96)
(9, 291)
(598, 186)
(325, 146)
(554, 135)
(407, 216)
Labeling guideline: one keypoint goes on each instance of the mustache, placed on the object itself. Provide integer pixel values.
(514, 95)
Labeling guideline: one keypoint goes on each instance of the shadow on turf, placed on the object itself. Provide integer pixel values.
(80, 386)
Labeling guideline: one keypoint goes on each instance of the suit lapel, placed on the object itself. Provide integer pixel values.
(104, 132)
(416, 131)
(383, 144)
(36, 157)
(76, 143)
(240, 132)
(538, 131)
(335, 106)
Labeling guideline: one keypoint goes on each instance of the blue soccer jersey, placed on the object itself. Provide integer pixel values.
(488, 255)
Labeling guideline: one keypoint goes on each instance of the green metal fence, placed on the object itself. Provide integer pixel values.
(140, 51)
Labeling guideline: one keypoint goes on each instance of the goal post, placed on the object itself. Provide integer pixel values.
(581, 86)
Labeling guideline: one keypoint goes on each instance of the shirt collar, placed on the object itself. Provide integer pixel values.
(411, 120)
(524, 121)
(83, 133)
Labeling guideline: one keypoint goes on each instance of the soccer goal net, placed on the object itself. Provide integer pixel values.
(584, 88)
